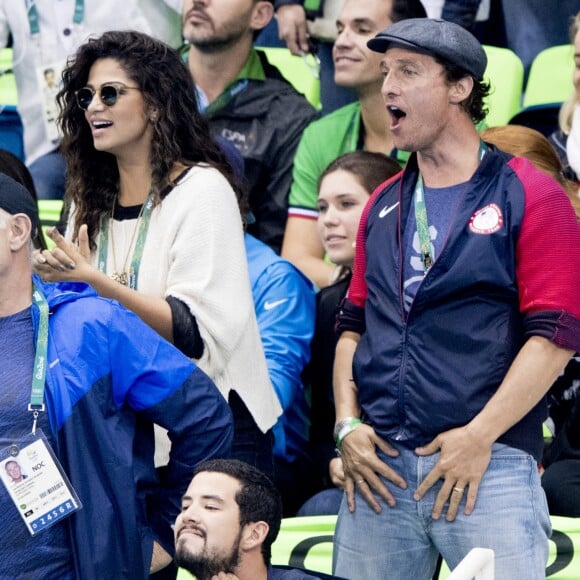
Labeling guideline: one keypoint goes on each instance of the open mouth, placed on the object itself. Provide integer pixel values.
(396, 115)
(101, 124)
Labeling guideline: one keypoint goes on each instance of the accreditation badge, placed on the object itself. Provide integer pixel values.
(49, 79)
(37, 483)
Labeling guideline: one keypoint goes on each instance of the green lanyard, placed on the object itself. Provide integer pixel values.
(139, 244)
(36, 404)
(421, 217)
(34, 20)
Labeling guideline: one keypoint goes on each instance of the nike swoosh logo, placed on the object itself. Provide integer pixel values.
(387, 210)
(270, 305)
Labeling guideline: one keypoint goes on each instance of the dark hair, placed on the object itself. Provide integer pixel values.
(473, 105)
(258, 498)
(180, 133)
(371, 169)
(12, 166)
(403, 9)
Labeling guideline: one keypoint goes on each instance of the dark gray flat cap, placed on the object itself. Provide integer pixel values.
(437, 37)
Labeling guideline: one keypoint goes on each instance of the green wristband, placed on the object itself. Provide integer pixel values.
(343, 428)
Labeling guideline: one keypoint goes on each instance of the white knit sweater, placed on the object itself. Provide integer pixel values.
(195, 252)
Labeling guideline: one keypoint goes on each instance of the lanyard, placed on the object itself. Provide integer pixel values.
(39, 370)
(34, 20)
(227, 96)
(139, 244)
(421, 217)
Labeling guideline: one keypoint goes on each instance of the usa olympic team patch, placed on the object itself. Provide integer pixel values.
(486, 220)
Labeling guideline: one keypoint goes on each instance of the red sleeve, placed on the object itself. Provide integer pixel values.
(548, 250)
(357, 291)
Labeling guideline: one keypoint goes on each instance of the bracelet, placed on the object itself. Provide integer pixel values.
(343, 428)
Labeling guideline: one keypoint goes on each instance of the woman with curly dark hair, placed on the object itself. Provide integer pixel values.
(154, 220)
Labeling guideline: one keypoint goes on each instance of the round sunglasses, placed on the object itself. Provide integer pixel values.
(108, 93)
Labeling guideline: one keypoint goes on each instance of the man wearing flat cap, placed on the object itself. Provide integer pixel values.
(82, 381)
(463, 308)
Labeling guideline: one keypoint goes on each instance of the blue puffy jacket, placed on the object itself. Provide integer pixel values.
(109, 377)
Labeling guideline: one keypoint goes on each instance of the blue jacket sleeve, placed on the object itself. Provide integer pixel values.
(284, 301)
(164, 386)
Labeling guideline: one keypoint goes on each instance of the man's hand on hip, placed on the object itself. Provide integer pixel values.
(462, 463)
(362, 468)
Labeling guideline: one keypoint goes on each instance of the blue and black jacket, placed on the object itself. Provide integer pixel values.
(508, 270)
(109, 378)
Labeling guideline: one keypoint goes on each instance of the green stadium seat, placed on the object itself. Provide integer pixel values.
(8, 93)
(564, 558)
(550, 78)
(549, 85)
(49, 213)
(10, 123)
(505, 72)
(305, 542)
(300, 73)
(184, 575)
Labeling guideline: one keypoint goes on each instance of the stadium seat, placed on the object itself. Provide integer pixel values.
(550, 79)
(305, 542)
(505, 72)
(10, 123)
(564, 554)
(11, 131)
(300, 72)
(49, 213)
(549, 85)
(564, 558)
(8, 93)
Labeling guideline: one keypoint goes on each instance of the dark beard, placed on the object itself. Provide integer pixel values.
(213, 45)
(204, 567)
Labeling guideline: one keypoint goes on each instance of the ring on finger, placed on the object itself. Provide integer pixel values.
(458, 489)
(359, 481)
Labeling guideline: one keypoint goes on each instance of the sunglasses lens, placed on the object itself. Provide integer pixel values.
(84, 98)
(109, 95)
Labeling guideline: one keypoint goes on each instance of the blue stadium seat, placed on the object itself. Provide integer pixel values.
(11, 131)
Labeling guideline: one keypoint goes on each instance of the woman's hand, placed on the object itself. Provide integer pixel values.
(67, 261)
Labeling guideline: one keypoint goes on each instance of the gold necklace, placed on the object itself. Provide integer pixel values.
(122, 277)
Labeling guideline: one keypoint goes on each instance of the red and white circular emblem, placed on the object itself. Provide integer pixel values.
(486, 220)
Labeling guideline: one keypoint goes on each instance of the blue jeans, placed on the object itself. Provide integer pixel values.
(510, 517)
(324, 503)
